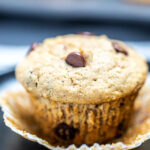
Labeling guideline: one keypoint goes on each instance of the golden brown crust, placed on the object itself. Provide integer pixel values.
(110, 72)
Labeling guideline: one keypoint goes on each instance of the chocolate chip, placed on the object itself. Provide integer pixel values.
(119, 49)
(75, 60)
(86, 33)
(65, 131)
(122, 125)
(121, 104)
(33, 46)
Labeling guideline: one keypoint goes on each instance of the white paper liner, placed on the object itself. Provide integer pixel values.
(19, 117)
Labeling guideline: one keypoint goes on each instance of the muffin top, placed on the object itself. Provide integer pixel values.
(80, 68)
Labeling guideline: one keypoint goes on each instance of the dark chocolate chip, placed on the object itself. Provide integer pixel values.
(119, 49)
(86, 33)
(65, 131)
(121, 104)
(122, 126)
(75, 60)
(33, 46)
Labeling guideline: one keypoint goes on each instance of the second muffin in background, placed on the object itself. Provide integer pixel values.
(83, 87)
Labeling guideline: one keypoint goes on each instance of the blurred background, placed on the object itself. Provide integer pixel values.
(23, 22)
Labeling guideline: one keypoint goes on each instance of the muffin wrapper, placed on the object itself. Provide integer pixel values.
(16, 106)
(65, 123)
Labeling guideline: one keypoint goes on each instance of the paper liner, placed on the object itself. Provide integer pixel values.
(18, 115)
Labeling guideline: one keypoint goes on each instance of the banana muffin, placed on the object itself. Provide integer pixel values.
(82, 87)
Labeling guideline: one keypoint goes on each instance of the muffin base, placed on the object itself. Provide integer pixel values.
(68, 123)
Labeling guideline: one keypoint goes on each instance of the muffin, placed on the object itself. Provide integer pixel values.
(82, 87)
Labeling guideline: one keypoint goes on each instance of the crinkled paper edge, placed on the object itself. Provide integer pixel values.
(34, 138)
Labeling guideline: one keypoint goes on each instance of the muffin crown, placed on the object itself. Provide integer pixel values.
(82, 69)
